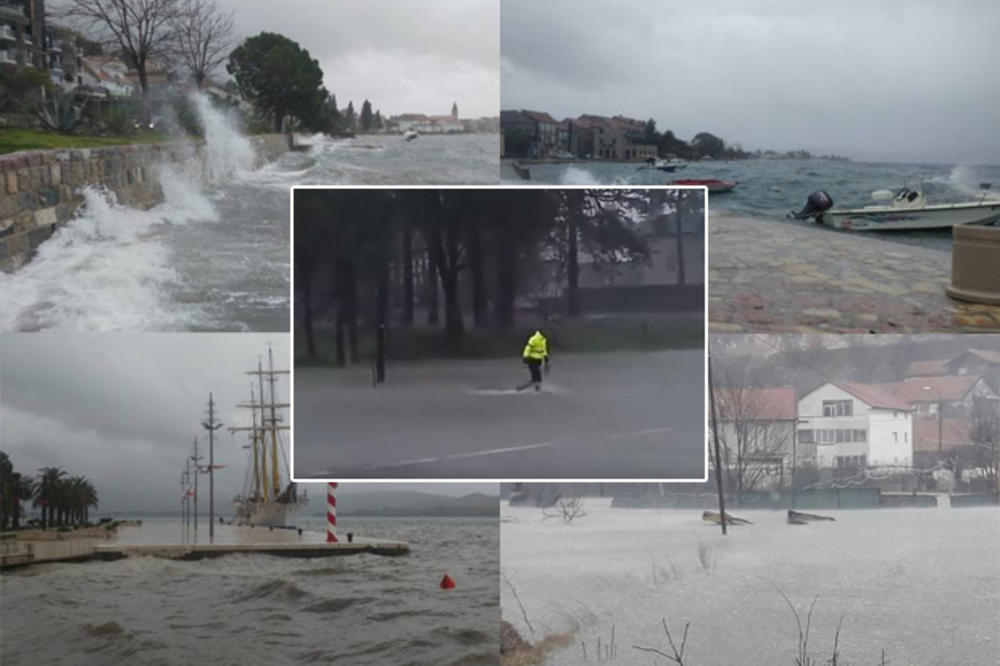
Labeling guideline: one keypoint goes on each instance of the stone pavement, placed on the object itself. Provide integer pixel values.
(780, 277)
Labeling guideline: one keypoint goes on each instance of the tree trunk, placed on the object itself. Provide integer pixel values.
(433, 315)
(352, 311)
(479, 315)
(307, 312)
(408, 275)
(341, 324)
(445, 253)
(279, 121)
(572, 268)
(503, 306)
(680, 248)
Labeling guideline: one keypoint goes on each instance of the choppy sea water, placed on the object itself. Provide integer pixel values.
(214, 256)
(255, 609)
(769, 189)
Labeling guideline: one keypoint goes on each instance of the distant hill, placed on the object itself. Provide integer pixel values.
(409, 503)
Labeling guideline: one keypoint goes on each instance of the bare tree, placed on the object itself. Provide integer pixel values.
(202, 37)
(984, 433)
(139, 29)
(568, 509)
(754, 432)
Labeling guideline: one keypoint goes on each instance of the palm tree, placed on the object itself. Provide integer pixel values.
(80, 496)
(47, 493)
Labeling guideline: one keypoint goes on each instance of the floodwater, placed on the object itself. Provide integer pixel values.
(921, 584)
(614, 415)
(255, 609)
(770, 189)
(214, 256)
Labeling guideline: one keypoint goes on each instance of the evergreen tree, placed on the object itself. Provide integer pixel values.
(350, 117)
(377, 121)
(366, 116)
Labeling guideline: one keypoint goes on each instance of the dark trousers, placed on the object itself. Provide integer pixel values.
(535, 368)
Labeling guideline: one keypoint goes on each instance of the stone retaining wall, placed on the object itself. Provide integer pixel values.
(41, 190)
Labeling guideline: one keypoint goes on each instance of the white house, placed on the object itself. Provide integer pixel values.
(855, 424)
(106, 73)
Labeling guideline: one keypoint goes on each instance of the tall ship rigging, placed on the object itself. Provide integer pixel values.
(267, 498)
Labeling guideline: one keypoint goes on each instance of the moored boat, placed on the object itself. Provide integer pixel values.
(904, 209)
(410, 135)
(714, 185)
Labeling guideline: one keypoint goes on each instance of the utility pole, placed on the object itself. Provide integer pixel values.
(718, 457)
(195, 458)
(211, 425)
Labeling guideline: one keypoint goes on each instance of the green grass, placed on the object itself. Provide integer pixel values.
(423, 342)
(13, 140)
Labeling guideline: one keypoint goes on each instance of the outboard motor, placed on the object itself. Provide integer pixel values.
(816, 204)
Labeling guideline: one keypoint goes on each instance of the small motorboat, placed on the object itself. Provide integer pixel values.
(714, 185)
(410, 135)
(670, 164)
(801, 518)
(903, 209)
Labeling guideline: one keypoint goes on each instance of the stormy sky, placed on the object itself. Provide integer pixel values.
(885, 80)
(403, 56)
(123, 409)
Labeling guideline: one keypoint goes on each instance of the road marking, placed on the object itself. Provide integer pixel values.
(504, 450)
(508, 449)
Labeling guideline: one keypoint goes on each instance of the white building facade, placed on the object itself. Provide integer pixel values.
(856, 425)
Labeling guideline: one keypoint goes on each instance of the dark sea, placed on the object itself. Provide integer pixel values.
(769, 189)
(258, 609)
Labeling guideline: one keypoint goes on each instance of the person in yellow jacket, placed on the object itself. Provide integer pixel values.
(536, 352)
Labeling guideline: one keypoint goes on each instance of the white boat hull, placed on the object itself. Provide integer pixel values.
(888, 218)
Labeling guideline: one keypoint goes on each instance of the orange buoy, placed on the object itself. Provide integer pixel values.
(447, 583)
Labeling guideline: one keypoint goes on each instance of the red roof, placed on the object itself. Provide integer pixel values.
(949, 388)
(874, 395)
(769, 404)
(927, 368)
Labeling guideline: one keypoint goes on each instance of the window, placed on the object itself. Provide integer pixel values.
(806, 436)
(860, 435)
(895, 437)
(838, 408)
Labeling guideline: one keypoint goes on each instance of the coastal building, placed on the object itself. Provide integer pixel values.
(950, 394)
(617, 138)
(105, 75)
(759, 426)
(856, 425)
(424, 124)
(29, 38)
(544, 133)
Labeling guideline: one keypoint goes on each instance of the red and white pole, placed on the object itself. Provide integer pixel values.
(331, 513)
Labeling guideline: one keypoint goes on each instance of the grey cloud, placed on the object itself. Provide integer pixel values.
(889, 79)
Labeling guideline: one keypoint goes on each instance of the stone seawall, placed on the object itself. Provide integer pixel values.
(41, 190)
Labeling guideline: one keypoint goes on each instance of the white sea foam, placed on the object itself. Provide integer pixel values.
(109, 267)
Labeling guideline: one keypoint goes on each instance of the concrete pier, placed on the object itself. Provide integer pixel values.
(167, 541)
(770, 276)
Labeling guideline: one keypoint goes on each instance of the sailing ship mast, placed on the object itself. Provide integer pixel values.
(264, 434)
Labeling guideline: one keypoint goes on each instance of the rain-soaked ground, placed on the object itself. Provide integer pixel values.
(621, 415)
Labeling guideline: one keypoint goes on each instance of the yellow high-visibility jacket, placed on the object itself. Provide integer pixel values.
(537, 348)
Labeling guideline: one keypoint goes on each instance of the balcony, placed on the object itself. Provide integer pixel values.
(7, 59)
(7, 34)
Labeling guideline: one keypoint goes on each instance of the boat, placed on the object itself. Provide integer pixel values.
(669, 164)
(270, 497)
(714, 185)
(800, 518)
(715, 517)
(410, 135)
(903, 209)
